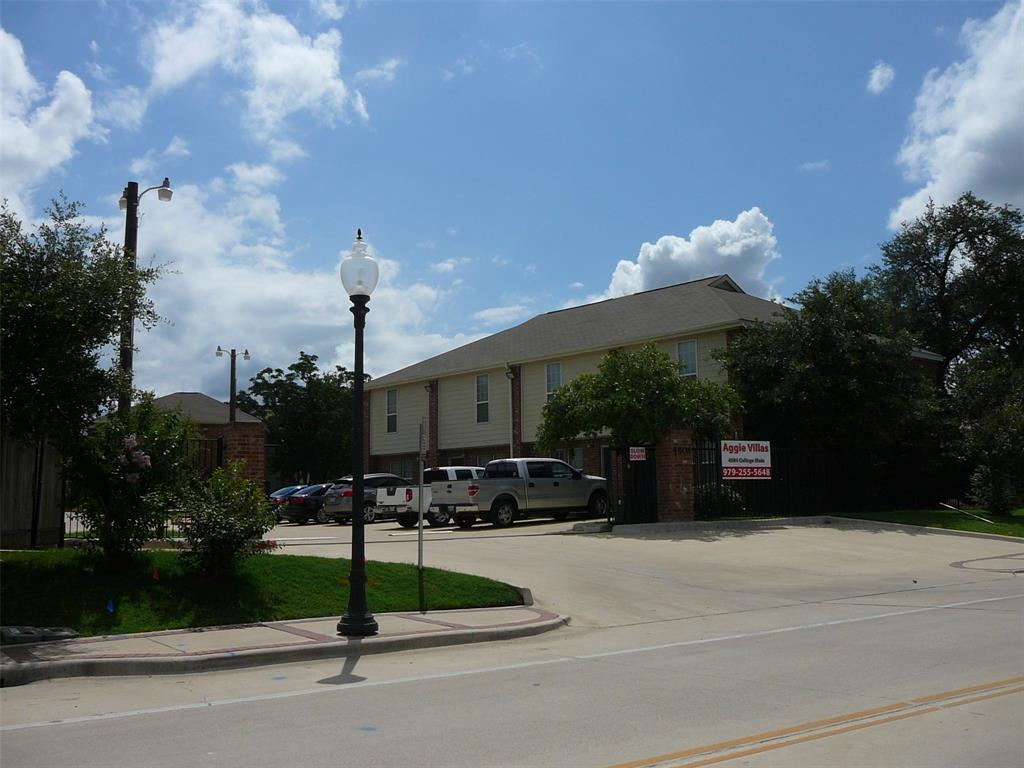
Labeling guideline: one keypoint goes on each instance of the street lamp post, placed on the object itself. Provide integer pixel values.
(232, 402)
(359, 273)
(129, 203)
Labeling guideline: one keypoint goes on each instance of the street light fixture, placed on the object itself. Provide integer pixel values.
(359, 274)
(232, 400)
(129, 202)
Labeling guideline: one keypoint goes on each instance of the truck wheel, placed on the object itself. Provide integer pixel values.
(438, 517)
(503, 513)
(598, 505)
(408, 521)
(369, 514)
(322, 516)
(465, 521)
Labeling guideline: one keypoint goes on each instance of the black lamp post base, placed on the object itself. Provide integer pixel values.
(358, 626)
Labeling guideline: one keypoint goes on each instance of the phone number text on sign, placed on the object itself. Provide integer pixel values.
(746, 473)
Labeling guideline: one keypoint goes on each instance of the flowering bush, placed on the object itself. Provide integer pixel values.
(226, 518)
(128, 473)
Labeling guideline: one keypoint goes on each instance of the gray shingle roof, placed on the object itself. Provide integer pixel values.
(201, 408)
(713, 302)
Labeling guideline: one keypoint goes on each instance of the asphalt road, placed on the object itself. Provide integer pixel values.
(792, 647)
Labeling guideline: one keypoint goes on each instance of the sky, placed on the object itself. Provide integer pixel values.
(502, 159)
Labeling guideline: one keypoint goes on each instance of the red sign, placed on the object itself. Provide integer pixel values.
(638, 454)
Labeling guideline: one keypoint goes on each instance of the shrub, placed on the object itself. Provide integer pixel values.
(225, 519)
(126, 473)
(714, 501)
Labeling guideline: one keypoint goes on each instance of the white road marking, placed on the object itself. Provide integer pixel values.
(416, 533)
(503, 668)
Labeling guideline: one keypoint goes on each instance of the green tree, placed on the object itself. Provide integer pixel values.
(309, 414)
(835, 375)
(65, 290)
(637, 396)
(954, 279)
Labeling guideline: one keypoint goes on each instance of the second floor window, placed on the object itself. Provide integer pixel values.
(554, 378)
(687, 352)
(392, 410)
(482, 407)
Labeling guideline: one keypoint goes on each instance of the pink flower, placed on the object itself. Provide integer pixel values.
(122, 460)
(132, 441)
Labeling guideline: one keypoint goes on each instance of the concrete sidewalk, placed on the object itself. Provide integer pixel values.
(209, 648)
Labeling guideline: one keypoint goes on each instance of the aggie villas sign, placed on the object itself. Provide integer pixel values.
(746, 460)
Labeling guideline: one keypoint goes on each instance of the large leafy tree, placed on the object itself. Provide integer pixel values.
(308, 413)
(836, 381)
(637, 396)
(65, 291)
(954, 279)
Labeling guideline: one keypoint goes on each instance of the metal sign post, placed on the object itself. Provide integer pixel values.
(419, 504)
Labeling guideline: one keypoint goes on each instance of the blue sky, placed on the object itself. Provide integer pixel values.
(504, 159)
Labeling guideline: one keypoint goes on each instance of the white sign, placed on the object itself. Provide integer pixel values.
(638, 454)
(746, 460)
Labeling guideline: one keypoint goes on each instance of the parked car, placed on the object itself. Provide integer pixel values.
(514, 488)
(339, 498)
(404, 502)
(280, 497)
(307, 504)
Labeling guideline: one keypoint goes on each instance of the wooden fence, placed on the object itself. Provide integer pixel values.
(30, 495)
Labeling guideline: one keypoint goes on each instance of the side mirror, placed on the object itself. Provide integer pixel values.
(577, 475)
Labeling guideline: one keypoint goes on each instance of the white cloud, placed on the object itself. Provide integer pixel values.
(463, 66)
(37, 140)
(124, 107)
(430, 244)
(94, 46)
(880, 77)
(255, 176)
(817, 166)
(283, 150)
(501, 261)
(449, 265)
(177, 148)
(284, 71)
(967, 128)
(522, 52)
(330, 9)
(232, 267)
(382, 73)
(143, 166)
(742, 248)
(502, 315)
(577, 285)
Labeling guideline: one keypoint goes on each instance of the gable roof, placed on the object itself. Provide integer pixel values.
(202, 409)
(676, 310)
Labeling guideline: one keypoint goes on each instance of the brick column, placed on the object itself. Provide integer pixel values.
(517, 410)
(674, 469)
(246, 441)
(433, 459)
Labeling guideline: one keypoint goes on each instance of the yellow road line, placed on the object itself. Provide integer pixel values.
(826, 727)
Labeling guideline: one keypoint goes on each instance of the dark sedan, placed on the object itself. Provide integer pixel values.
(307, 504)
(279, 498)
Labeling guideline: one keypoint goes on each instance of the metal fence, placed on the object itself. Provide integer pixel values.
(206, 454)
(803, 482)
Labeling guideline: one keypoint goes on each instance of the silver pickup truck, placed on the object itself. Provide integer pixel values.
(516, 488)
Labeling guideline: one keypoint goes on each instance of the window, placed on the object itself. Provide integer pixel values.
(554, 378)
(559, 454)
(392, 410)
(576, 459)
(501, 469)
(482, 408)
(687, 353)
(561, 471)
(463, 474)
(539, 469)
(484, 459)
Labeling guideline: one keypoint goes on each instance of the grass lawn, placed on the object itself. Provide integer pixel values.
(1005, 525)
(73, 588)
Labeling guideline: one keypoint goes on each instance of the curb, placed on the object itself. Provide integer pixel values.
(15, 673)
(640, 529)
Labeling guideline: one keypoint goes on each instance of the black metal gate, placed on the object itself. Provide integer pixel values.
(639, 490)
(207, 454)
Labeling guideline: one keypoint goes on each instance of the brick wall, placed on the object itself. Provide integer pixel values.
(245, 441)
(674, 472)
(517, 410)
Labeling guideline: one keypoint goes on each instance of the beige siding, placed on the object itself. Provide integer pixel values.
(413, 403)
(535, 386)
(707, 366)
(457, 425)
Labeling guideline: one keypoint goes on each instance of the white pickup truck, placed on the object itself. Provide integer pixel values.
(514, 488)
(440, 484)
